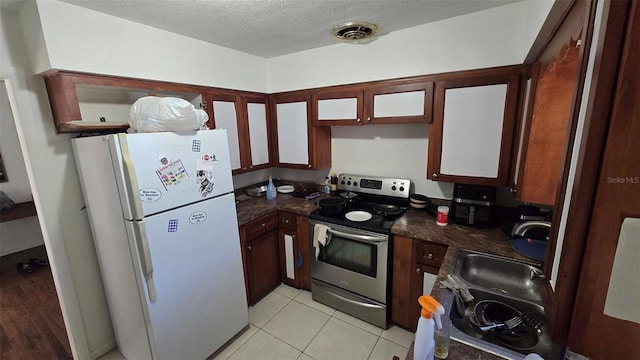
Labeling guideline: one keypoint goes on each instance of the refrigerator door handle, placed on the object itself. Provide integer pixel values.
(145, 257)
(130, 176)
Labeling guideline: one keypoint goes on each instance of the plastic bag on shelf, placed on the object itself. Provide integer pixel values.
(153, 114)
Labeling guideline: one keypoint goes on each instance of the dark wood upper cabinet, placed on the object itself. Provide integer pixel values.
(296, 142)
(245, 116)
(473, 118)
(85, 102)
(337, 107)
(397, 101)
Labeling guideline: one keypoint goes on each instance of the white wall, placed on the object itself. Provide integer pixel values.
(484, 39)
(84, 40)
(23, 233)
(55, 191)
(537, 11)
(17, 188)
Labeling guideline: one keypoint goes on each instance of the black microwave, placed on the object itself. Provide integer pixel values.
(473, 205)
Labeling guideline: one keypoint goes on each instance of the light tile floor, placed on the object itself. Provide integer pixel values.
(288, 324)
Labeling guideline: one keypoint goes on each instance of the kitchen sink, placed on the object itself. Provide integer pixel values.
(502, 288)
(517, 279)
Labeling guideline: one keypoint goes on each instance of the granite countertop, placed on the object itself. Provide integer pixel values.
(250, 208)
(415, 224)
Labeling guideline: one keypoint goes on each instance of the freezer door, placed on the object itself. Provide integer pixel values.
(166, 170)
(198, 300)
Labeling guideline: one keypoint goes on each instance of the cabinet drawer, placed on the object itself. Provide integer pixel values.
(287, 220)
(261, 225)
(429, 253)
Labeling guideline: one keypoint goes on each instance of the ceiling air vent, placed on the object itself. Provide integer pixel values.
(355, 32)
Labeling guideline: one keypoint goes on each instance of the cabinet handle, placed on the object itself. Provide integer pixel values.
(244, 168)
(358, 120)
(368, 118)
(434, 175)
(430, 256)
(309, 166)
(514, 190)
(418, 271)
(264, 225)
(251, 167)
(286, 221)
(249, 247)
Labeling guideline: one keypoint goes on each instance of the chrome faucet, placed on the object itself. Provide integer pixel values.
(522, 228)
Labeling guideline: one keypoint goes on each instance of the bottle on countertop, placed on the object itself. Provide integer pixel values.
(425, 345)
(327, 185)
(334, 184)
(272, 193)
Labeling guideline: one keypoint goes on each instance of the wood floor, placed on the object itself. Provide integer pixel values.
(31, 325)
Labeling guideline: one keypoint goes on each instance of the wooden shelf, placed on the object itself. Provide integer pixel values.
(19, 211)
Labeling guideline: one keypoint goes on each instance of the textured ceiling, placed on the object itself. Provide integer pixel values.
(269, 28)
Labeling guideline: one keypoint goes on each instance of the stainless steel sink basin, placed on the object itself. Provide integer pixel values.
(500, 287)
(517, 279)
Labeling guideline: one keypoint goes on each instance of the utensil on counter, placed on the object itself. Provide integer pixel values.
(285, 189)
(349, 195)
(257, 192)
(358, 215)
(387, 210)
(457, 282)
(533, 319)
(332, 206)
(507, 325)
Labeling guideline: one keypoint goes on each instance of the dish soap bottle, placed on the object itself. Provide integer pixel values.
(271, 190)
(425, 344)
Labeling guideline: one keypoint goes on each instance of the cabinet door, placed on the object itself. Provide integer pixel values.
(470, 140)
(264, 265)
(258, 125)
(399, 103)
(331, 108)
(288, 256)
(401, 285)
(294, 250)
(546, 138)
(297, 144)
(225, 116)
(303, 252)
(525, 109)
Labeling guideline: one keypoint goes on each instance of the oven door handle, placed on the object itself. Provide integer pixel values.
(361, 238)
(354, 302)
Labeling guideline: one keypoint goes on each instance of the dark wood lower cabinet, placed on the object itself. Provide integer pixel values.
(260, 256)
(268, 243)
(294, 250)
(263, 265)
(411, 259)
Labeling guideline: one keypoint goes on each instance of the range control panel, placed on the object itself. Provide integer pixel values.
(375, 185)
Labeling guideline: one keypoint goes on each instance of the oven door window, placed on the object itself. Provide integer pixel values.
(352, 255)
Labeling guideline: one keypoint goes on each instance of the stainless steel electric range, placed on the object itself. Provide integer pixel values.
(351, 272)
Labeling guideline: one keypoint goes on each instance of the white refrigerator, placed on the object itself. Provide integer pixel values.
(163, 218)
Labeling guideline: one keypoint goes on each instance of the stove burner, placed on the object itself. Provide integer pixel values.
(522, 337)
(380, 197)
